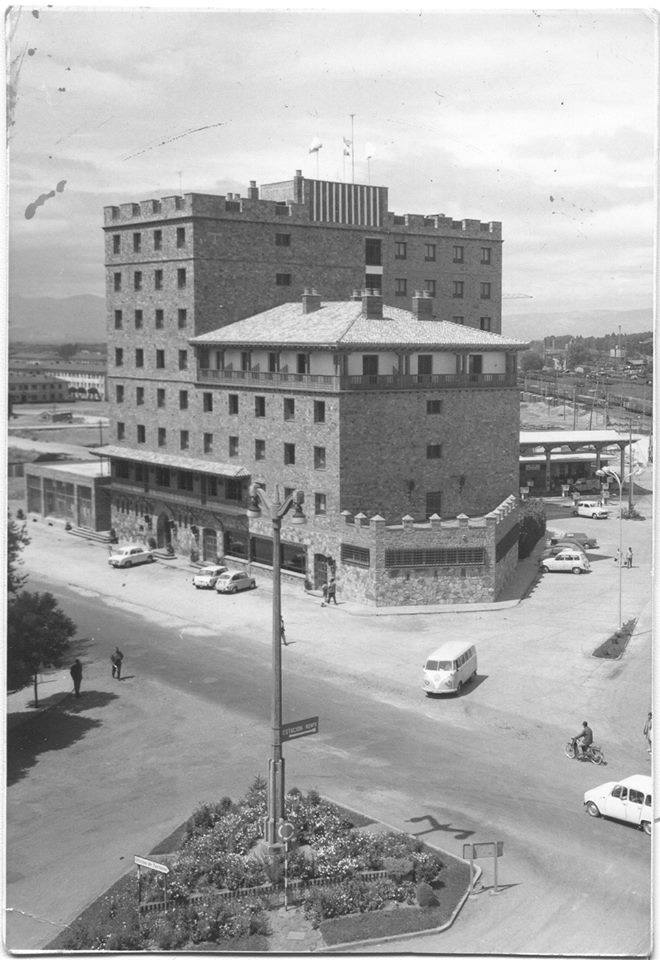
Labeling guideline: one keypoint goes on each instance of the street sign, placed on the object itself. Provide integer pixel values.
(285, 831)
(491, 848)
(151, 865)
(299, 728)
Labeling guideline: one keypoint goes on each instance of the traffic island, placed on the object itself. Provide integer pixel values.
(615, 645)
(336, 880)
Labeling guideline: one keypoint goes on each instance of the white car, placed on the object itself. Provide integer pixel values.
(207, 577)
(130, 556)
(233, 582)
(630, 800)
(566, 561)
(590, 508)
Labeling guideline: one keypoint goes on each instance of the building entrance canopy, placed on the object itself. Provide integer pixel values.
(213, 467)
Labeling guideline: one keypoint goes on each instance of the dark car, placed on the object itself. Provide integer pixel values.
(585, 541)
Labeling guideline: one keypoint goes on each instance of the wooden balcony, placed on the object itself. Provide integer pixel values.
(327, 382)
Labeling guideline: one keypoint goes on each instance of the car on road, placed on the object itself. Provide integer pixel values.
(590, 508)
(233, 582)
(207, 576)
(449, 667)
(562, 545)
(566, 561)
(585, 541)
(130, 556)
(630, 800)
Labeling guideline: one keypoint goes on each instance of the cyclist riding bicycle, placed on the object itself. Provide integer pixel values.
(587, 738)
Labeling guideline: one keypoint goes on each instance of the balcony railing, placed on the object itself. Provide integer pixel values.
(394, 381)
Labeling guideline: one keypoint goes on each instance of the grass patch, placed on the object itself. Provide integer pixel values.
(257, 943)
(614, 646)
(382, 923)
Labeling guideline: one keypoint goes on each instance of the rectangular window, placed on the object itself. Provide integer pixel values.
(233, 446)
(119, 320)
(475, 363)
(233, 490)
(207, 402)
(319, 458)
(116, 243)
(139, 357)
(374, 281)
(158, 279)
(485, 255)
(138, 319)
(458, 254)
(158, 239)
(141, 433)
(160, 397)
(137, 280)
(319, 411)
(162, 477)
(183, 399)
(162, 436)
(356, 556)
(273, 362)
(435, 557)
(259, 449)
(182, 318)
(282, 239)
(459, 320)
(429, 251)
(400, 250)
(433, 504)
(433, 451)
(184, 479)
(302, 363)
(208, 443)
(119, 357)
(373, 256)
(289, 454)
(484, 323)
(181, 278)
(282, 279)
(160, 359)
(434, 406)
(121, 431)
(184, 439)
(183, 359)
(429, 287)
(289, 408)
(246, 360)
(117, 282)
(119, 393)
(236, 543)
(232, 403)
(370, 365)
(137, 242)
(180, 237)
(457, 289)
(425, 364)
(141, 472)
(121, 468)
(260, 406)
(485, 291)
(320, 504)
(139, 396)
(160, 317)
(400, 287)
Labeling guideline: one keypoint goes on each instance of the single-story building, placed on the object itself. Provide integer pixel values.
(76, 492)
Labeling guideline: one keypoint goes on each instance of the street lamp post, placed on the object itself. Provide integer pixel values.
(608, 472)
(275, 792)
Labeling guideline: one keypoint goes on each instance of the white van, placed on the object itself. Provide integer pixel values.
(449, 667)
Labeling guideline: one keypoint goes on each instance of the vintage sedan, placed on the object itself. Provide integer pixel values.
(207, 576)
(630, 800)
(566, 561)
(233, 582)
(130, 556)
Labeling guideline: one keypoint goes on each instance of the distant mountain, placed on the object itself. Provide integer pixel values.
(579, 323)
(57, 320)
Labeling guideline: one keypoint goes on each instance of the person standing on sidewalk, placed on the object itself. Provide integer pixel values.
(116, 661)
(648, 731)
(283, 632)
(76, 675)
(332, 591)
(629, 558)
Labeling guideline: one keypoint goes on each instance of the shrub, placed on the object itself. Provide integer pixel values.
(632, 513)
(425, 895)
(428, 867)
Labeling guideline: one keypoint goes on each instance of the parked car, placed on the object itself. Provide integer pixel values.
(630, 800)
(561, 546)
(586, 542)
(567, 561)
(590, 508)
(233, 582)
(130, 556)
(207, 576)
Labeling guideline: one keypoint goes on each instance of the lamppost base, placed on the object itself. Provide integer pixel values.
(274, 801)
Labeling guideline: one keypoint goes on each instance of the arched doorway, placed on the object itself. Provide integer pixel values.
(209, 544)
(164, 532)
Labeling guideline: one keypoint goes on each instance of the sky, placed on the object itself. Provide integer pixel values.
(544, 119)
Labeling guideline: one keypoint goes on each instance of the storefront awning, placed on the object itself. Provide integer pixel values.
(212, 467)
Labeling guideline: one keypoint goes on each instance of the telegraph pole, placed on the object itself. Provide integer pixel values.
(352, 149)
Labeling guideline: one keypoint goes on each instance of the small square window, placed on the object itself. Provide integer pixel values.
(182, 317)
(181, 279)
(289, 408)
(160, 359)
(160, 397)
(320, 504)
(486, 255)
(158, 239)
(232, 401)
(117, 281)
(139, 357)
(260, 406)
(233, 446)
(184, 439)
(459, 254)
(457, 289)
(180, 236)
(119, 393)
(319, 411)
(138, 319)
(282, 239)
(289, 454)
(137, 242)
(319, 458)
(208, 443)
(485, 291)
(139, 396)
(116, 243)
(119, 320)
(119, 357)
(158, 279)
(162, 436)
(141, 433)
(183, 359)
(434, 406)
(207, 402)
(160, 318)
(183, 399)
(283, 279)
(121, 431)
(429, 251)
(484, 323)
(429, 287)
(434, 451)
(259, 449)
(400, 250)
(137, 280)
(400, 287)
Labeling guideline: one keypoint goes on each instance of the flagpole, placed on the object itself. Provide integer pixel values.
(352, 150)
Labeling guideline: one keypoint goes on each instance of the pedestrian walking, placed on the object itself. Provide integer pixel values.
(324, 591)
(283, 632)
(648, 731)
(629, 558)
(76, 676)
(116, 661)
(617, 557)
(332, 591)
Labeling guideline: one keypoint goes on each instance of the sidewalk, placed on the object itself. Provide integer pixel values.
(52, 688)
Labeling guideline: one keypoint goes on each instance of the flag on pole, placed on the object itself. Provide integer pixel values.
(315, 145)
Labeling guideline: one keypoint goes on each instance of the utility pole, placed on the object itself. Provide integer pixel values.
(575, 407)
(630, 468)
(352, 149)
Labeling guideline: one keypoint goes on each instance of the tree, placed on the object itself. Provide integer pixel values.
(17, 538)
(67, 350)
(576, 353)
(530, 360)
(38, 635)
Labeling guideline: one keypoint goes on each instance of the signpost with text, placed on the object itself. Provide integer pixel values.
(300, 728)
(489, 848)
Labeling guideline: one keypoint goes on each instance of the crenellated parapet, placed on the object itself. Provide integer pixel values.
(474, 229)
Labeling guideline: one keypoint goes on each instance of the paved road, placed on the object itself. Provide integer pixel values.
(190, 721)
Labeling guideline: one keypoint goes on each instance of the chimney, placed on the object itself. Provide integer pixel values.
(422, 306)
(372, 305)
(311, 301)
(253, 190)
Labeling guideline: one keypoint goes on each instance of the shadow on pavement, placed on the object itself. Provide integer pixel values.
(433, 825)
(465, 690)
(55, 729)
